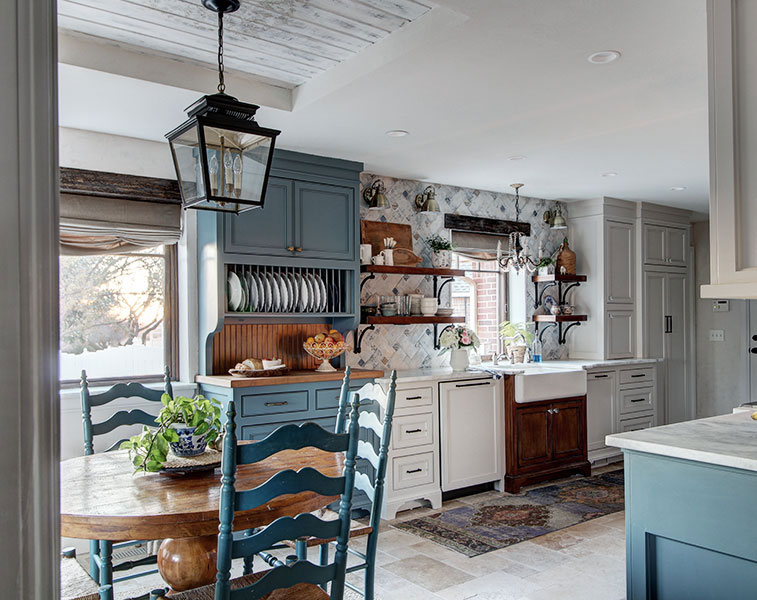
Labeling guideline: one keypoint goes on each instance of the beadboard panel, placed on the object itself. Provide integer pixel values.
(237, 341)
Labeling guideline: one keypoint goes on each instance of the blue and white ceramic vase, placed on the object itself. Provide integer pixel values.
(189, 444)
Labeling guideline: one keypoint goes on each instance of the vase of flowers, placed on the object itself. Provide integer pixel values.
(442, 252)
(458, 340)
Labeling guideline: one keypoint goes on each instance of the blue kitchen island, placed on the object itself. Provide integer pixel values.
(691, 523)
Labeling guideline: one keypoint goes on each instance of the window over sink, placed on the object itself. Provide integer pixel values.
(118, 315)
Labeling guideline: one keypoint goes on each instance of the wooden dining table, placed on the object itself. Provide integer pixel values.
(102, 499)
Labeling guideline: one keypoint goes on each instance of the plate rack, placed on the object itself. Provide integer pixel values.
(287, 291)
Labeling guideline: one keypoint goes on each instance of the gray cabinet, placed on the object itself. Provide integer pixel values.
(620, 272)
(665, 245)
(324, 221)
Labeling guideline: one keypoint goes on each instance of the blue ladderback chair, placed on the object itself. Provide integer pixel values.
(373, 487)
(296, 579)
(101, 551)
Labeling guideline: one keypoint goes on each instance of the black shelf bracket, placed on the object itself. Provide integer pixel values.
(366, 280)
(561, 332)
(438, 334)
(562, 293)
(359, 337)
(438, 288)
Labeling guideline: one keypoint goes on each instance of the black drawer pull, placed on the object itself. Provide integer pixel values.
(283, 403)
(413, 430)
(638, 400)
(601, 376)
(414, 398)
(414, 471)
(472, 384)
(639, 375)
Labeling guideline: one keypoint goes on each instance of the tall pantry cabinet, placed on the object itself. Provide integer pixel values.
(665, 297)
(637, 260)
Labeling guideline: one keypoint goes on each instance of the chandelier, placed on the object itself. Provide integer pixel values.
(515, 258)
(221, 155)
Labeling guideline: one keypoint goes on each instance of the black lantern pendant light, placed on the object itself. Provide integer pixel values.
(221, 155)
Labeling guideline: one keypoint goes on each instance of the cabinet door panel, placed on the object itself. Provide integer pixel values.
(568, 423)
(533, 435)
(621, 334)
(619, 263)
(654, 314)
(677, 246)
(263, 231)
(324, 217)
(600, 408)
(654, 245)
(676, 349)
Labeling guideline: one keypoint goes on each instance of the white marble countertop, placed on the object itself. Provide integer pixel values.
(443, 374)
(727, 440)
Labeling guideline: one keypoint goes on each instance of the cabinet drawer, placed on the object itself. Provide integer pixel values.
(328, 398)
(643, 375)
(414, 397)
(414, 470)
(274, 403)
(412, 430)
(637, 423)
(258, 432)
(636, 400)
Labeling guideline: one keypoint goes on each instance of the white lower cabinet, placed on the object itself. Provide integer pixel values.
(618, 400)
(472, 433)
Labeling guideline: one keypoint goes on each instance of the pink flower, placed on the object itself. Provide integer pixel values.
(465, 338)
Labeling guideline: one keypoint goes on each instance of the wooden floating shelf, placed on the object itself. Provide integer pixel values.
(412, 320)
(559, 318)
(554, 277)
(399, 270)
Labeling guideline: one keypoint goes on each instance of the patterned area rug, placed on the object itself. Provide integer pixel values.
(499, 520)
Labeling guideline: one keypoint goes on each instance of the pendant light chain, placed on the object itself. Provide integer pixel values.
(517, 205)
(221, 84)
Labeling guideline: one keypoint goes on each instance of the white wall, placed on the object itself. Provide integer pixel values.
(721, 367)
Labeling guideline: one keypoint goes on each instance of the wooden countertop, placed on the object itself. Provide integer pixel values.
(228, 381)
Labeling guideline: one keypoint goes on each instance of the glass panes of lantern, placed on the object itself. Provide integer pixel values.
(236, 163)
(186, 155)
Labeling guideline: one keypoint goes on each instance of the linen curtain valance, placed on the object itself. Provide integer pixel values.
(106, 213)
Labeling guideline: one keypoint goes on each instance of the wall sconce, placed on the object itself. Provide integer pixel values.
(555, 219)
(375, 195)
(426, 202)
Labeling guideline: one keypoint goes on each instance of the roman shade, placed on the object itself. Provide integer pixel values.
(476, 237)
(106, 213)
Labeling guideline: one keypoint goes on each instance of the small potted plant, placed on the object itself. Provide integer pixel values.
(546, 266)
(441, 248)
(458, 340)
(185, 427)
(518, 337)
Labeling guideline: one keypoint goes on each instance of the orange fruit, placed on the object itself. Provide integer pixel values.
(310, 340)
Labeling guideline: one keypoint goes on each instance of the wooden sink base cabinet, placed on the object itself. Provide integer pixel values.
(544, 440)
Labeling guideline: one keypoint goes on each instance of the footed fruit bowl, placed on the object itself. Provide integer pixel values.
(325, 346)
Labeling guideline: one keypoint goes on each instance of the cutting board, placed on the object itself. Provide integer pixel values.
(374, 232)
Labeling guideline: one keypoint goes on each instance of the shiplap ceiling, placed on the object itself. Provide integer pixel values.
(284, 41)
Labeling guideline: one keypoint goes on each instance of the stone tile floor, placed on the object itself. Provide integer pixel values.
(583, 562)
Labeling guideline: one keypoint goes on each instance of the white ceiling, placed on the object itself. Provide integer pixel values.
(475, 83)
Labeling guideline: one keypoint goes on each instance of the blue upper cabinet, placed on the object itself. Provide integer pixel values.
(324, 217)
(268, 231)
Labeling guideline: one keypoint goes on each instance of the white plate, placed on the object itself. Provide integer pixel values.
(262, 306)
(283, 292)
(304, 296)
(294, 291)
(253, 287)
(313, 291)
(245, 294)
(324, 295)
(275, 296)
(235, 292)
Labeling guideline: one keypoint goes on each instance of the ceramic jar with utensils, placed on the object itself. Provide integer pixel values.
(429, 306)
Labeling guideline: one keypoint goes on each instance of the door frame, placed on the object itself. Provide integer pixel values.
(30, 524)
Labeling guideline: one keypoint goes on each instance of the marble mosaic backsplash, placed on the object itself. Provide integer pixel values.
(412, 347)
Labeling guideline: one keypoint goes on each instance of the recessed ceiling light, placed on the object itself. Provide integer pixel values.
(516, 157)
(397, 133)
(610, 174)
(678, 188)
(603, 57)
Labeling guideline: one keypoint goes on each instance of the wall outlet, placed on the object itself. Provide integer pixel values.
(717, 335)
(721, 306)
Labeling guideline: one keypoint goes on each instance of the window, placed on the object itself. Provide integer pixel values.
(480, 296)
(117, 315)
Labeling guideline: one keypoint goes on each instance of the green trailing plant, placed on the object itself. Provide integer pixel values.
(512, 332)
(148, 450)
(545, 262)
(437, 243)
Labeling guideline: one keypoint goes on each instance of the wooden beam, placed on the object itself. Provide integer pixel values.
(483, 225)
(118, 185)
